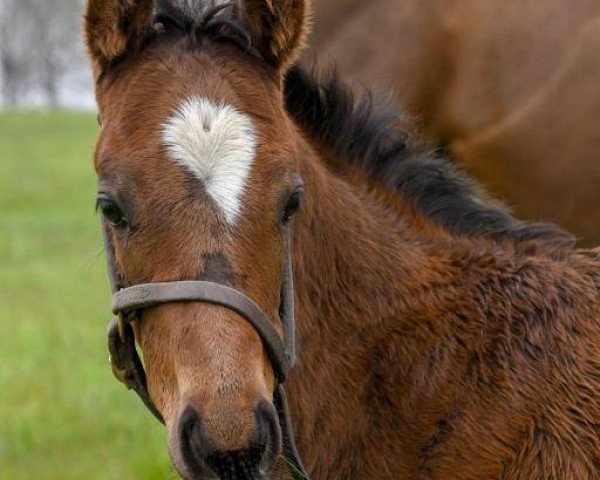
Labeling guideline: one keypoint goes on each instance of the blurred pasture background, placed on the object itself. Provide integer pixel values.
(516, 99)
(62, 415)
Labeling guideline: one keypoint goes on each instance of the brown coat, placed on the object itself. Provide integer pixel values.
(438, 337)
(512, 89)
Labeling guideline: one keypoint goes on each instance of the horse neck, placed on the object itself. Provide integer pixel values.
(355, 264)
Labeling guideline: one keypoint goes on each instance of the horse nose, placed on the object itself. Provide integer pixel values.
(204, 461)
(194, 445)
(268, 438)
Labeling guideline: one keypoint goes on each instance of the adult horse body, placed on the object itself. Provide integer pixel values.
(510, 88)
(438, 337)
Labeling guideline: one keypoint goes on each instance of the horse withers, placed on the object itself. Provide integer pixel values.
(437, 336)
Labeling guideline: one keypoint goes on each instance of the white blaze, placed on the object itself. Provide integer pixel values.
(217, 144)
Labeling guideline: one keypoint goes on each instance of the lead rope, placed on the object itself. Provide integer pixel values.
(128, 367)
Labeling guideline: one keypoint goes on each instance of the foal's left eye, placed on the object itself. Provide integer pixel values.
(111, 211)
(292, 206)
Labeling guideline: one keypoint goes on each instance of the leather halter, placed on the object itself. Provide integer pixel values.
(128, 368)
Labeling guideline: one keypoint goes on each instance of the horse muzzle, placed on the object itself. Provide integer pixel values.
(197, 457)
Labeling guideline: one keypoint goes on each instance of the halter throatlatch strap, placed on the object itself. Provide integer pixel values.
(287, 306)
(128, 367)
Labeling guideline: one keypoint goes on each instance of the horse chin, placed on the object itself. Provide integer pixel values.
(183, 469)
(213, 476)
(185, 474)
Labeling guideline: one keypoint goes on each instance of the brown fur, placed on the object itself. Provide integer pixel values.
(422, 355)
(279, 43)
(509, 88)
(114, 28)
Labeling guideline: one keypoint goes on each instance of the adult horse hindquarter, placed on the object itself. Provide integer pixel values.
(510, 88)
(438, 337)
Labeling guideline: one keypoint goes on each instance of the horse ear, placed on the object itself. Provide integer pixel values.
(278, 29)
(114, 28)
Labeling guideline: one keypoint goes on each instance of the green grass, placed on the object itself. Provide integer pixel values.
(62, 414)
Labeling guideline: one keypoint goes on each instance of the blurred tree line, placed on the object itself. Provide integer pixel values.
(40, 43)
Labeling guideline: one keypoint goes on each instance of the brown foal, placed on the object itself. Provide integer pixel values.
(438, 337)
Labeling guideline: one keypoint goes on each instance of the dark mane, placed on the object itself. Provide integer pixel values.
(369, 137)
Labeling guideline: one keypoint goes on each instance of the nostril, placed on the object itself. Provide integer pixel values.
(195, 447)
(268, 440)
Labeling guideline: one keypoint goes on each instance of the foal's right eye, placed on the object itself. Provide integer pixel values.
(111, 211)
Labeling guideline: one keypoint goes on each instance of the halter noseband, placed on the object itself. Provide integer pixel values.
(128, 367)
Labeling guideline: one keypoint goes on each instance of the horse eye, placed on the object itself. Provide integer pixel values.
(292, 206)
(111, 212)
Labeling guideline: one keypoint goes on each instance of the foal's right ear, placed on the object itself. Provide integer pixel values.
(114, 28)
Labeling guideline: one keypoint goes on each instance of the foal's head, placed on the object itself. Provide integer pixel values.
(197, 181)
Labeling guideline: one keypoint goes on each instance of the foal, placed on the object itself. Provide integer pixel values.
(438, 338)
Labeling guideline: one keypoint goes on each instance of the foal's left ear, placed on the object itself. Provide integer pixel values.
(278, 29)
(114, 28)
